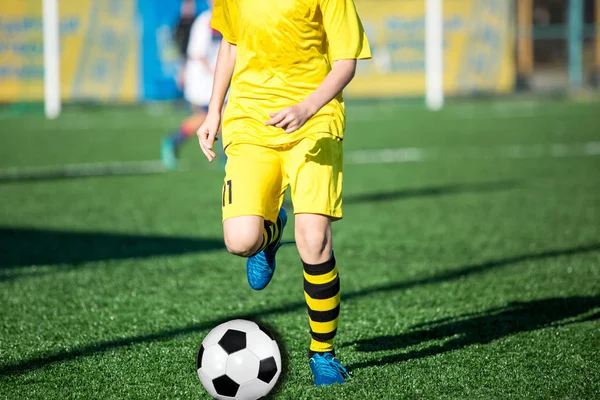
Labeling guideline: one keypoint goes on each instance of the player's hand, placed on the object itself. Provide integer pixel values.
(207, 135)
(290, 118)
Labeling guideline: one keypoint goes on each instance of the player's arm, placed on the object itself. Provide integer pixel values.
(347, 43)
(334, 83)
(223, 73)
(292, 118)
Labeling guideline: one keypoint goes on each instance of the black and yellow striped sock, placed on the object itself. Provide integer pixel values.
(322, 294)
(270, 234)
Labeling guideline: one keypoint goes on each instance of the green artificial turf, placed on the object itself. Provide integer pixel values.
(470, 272)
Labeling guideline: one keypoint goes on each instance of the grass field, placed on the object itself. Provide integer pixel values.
(469, 257)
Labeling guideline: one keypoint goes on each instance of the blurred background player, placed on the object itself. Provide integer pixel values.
(187, 15)
(197, 78)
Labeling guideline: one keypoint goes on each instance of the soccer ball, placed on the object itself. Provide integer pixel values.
(238, 360)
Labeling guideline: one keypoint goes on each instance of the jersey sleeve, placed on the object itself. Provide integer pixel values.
(345, 33)
(225, 19)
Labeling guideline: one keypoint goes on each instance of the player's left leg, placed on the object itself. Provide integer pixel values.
(315, 171)
(321, 280)
(322, 295)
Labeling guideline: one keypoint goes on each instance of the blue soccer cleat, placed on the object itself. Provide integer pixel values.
(168, 153)
(261, 267)
(327, 369)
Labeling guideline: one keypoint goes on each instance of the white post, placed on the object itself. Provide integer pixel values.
(434, 54)
(51, 58)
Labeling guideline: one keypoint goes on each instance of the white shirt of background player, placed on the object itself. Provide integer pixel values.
(202, 52)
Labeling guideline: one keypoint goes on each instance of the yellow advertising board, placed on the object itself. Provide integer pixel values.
(478, 48)
(99, 50)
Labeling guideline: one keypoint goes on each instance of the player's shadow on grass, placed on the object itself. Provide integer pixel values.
(579, 306)
(427, 191)
(431, 191)
(20, 247)
(455, 333)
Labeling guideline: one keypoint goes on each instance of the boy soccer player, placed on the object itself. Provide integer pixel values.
(287, 62)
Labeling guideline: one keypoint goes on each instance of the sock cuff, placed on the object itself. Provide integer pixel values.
(311, 353)
(320, 269)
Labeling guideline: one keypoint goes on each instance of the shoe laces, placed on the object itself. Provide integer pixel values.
(328, 366)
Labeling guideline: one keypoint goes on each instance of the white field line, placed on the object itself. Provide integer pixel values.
(84, 169)
(351, 157)
(384, 156)
(466, 111)
(498, 110)
(412, 154)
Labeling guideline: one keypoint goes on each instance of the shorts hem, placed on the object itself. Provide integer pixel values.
(335, 215)
(247, 214)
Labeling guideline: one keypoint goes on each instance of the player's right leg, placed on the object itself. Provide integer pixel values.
(315, 168)
(251, 200)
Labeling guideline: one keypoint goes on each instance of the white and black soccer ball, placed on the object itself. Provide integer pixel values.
(238, 360)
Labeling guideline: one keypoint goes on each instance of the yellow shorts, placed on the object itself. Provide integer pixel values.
(257, 176)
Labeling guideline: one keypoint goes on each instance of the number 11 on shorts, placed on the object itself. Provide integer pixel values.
(227, 192)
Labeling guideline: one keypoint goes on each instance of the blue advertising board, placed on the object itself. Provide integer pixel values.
(159, 58)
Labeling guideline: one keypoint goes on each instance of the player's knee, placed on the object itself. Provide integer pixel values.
(312, 245)
(241, 244)
(243, 235)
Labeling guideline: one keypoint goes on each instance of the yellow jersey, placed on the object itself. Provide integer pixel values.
(285, 49)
